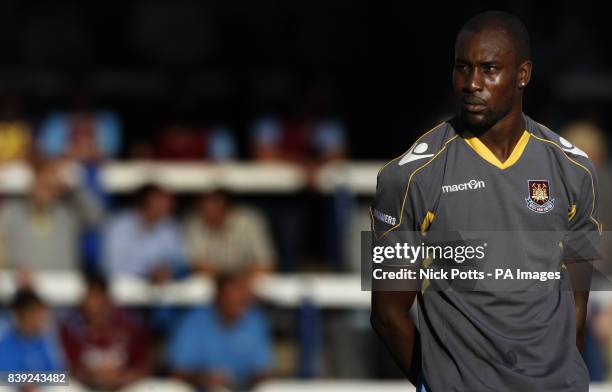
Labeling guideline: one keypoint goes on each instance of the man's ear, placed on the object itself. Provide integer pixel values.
(524, 74)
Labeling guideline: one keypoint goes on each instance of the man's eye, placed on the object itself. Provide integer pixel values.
(490, 68)
(461, 67)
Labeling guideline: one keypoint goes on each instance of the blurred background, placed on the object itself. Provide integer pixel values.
(184, 183)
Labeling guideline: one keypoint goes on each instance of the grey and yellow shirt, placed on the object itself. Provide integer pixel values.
(450, 181)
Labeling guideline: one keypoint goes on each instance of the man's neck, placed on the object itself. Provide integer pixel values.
(502, 137)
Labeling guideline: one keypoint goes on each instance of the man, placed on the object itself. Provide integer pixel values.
(226, 345)
(106, 347)
(145, 241)
(224, 238)
(42, 230)
(28, 344)
(522, 178)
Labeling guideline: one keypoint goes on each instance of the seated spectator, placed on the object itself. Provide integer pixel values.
(190, 131)
(106, 347)
(15, 131)
(310, 132)
(144, 241)
(88, 135)
(28, 343)
(192, 142)
(83, 133)
(224, 238)
(274, 138)
(225, 345)
(42, 230)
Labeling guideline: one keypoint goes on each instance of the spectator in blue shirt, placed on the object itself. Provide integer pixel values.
(27, 344)
(145, 241)
(226, 344)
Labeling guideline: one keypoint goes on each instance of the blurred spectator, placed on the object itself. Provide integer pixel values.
(88, 135)
(223, 345)
(192, 142)
(15, 131)
(83, 133)
(145, 241)
(313, 131)
(41, 231)
(602, 330)
(106, 348)
(310, 134)
(188, 132)
(589, 138)
(28, 343)
(274, 138)
(224, 238)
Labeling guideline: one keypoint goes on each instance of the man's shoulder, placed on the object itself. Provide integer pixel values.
(421, 154)
(122, 220)
(8, 335)
(197, 320)
(569, 154)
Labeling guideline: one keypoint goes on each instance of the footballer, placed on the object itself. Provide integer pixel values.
(491, 168)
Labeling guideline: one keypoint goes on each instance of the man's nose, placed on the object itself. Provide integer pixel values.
(473, 81)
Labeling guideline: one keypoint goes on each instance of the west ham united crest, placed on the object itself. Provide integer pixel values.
(539, 199)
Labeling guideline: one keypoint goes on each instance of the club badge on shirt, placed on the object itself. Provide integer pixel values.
(539, 199)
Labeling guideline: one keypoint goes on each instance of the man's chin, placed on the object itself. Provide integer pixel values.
(475, 121)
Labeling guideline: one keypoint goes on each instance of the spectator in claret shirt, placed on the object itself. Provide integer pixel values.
(144, 241)
(106, 347)
(225, 345)
(28, 343)
(190, 130)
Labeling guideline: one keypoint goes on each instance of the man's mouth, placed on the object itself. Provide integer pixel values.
(474, 105)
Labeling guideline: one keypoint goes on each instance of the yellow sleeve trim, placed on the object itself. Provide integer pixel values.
(427, 222)
(572, 213)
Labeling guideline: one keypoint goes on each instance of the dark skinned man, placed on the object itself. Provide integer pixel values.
(491, 168)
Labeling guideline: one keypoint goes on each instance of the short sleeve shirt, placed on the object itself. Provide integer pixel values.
(449, 181)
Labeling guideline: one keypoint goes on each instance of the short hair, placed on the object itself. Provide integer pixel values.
(25, 299)
(508, 23)
(226, 278)
(96, 281)
(141, 195)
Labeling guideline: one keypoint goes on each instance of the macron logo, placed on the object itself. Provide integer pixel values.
(415, 153)
(470, 185)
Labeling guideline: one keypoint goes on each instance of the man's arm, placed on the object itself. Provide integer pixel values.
(391, 320)
(580, 275)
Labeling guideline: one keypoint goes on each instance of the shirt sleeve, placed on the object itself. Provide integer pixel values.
(582, 242)
(395, 212)
(259, 238)
(398, 206)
